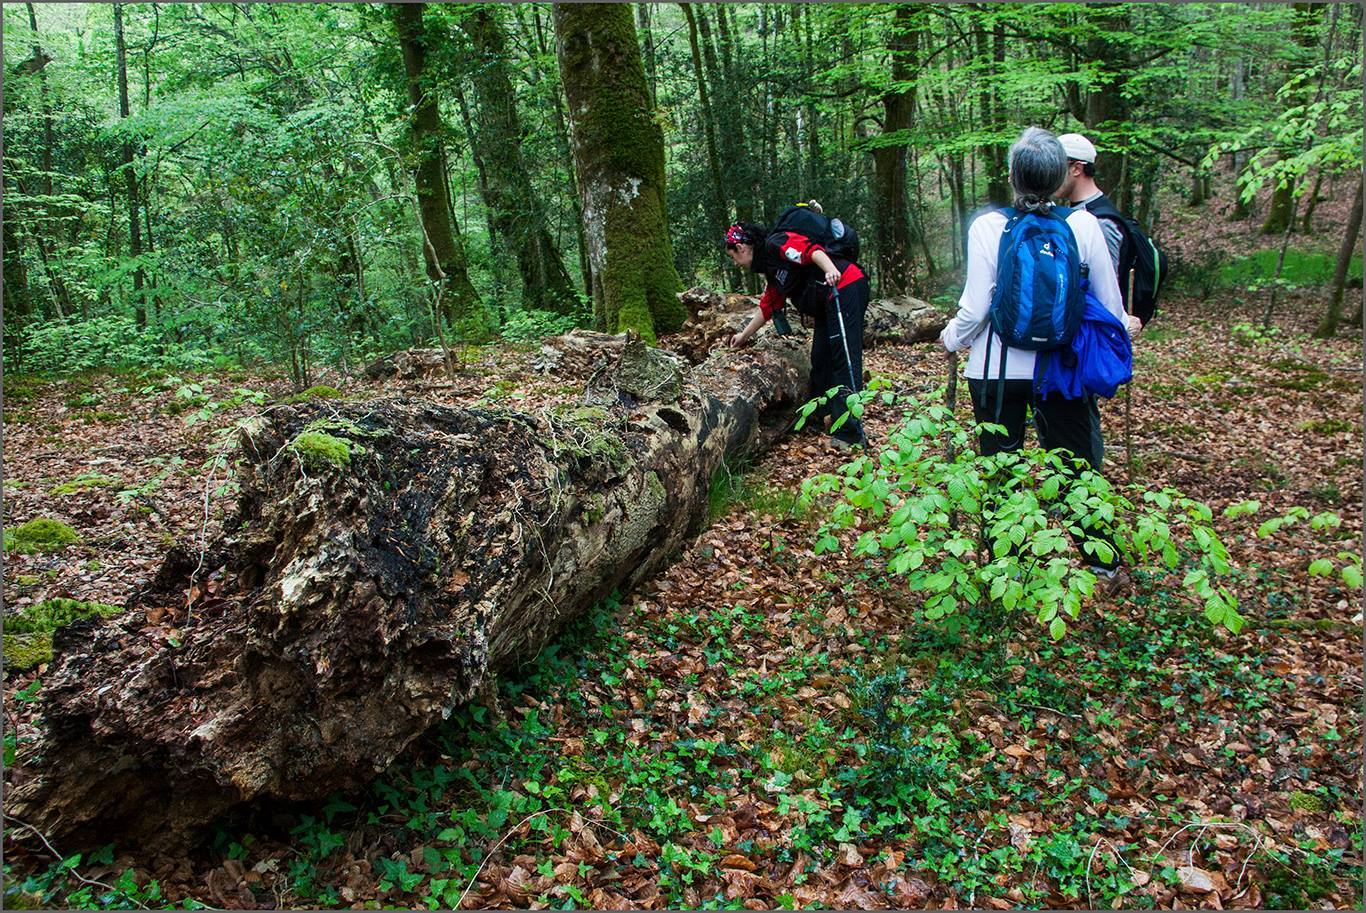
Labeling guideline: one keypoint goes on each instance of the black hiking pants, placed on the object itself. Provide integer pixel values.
(1071, 426)
(837, 355)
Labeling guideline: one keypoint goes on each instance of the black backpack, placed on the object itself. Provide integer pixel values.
(1137, 254)
(838, 239)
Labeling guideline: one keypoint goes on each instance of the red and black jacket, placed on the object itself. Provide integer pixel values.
(785, 259)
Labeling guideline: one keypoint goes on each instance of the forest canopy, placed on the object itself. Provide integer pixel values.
(213, 184)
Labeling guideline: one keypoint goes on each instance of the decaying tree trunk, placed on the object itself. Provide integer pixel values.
(386, 560)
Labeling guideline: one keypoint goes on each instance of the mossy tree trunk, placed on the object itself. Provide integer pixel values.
(442, 249)
(515, 210)
(619, 158)
(1281, 210)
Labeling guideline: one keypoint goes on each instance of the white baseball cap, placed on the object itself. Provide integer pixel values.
(1078, 147)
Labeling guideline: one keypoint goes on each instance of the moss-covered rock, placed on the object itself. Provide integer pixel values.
(41, 534)
(28, 633)
(82, 483)
(317, 449)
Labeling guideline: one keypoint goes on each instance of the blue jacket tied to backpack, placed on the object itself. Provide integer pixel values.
(1099, 359)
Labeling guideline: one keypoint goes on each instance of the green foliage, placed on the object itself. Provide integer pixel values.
(753, 492)
(59, 887)
(992, 535)
(1301, 268)
(41, 534)
(532, 325)
(108, 342)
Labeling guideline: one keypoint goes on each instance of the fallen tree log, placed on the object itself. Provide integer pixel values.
(387, 558)
(712, 318)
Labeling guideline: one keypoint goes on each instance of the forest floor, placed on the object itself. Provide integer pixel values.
(761, 727)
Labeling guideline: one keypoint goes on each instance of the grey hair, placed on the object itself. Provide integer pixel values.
(1038, 166)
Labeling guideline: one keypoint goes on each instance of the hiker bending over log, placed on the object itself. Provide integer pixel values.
(832, 291)
(1002, 376)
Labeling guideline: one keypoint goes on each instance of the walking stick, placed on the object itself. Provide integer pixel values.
(1129, 397)
(951, 396)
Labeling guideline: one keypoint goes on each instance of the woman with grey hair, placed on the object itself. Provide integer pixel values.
(1038, 166)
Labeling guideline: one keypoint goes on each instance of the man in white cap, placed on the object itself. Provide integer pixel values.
(1079, 188)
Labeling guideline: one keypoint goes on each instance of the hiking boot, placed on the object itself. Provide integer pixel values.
(1111, 583)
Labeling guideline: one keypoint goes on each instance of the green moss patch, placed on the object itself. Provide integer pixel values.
(318, 392)
(39, 535)
(82, 483)
(317, 449)
(1307, 802)
(28, 633)
(1327, 426)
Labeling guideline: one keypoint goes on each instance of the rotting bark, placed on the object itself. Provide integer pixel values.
(349, 607)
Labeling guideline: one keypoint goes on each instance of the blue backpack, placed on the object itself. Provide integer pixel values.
(1039, 298)
(1099, 359)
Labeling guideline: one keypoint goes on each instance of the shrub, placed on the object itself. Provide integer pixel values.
(992, 535)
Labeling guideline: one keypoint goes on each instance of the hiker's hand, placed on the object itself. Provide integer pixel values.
(738, 341)
(832, 276)
(1135, 325)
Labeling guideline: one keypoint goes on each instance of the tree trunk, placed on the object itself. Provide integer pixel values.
(129, 171)
(566, 156)
(1281, 210)
(1346, 251)
(648, 39)
(515, 209)
(1307, 220)
(891, 206)
(350, 607)
(720, 208)
(442, 249)
(619, 158)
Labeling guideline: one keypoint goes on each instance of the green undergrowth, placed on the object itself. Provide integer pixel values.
(751, 491)
(910, 759)
(1301, 268)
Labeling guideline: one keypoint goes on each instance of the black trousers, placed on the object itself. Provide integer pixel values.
(837, 357)
(1068, 425)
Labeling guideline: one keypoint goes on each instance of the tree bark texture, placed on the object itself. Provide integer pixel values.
(619, 158)
(442, 249)
(516, 211)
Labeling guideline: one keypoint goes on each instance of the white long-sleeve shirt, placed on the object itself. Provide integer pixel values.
(970, 327)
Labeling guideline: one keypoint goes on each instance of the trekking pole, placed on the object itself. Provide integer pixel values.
(1129, 396)
(844, 339)
(951, 397)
